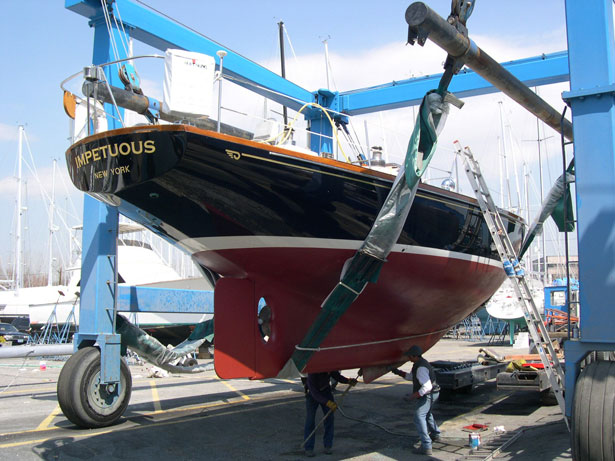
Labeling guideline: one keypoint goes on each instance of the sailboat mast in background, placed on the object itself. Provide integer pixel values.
(283, 67)
(17, 272)
(51, 224)
(543, 257)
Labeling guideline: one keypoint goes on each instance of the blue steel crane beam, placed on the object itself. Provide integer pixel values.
(156, 299)
(535, 71)
(162, 33)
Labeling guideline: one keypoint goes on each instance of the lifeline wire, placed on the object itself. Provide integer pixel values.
(269, 90)
(187, 27)
(108, 24)
(123, 36)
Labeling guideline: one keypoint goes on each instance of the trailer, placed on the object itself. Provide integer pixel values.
(463, 376)
(530, 380)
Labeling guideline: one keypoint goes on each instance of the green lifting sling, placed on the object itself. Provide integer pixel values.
(364, 267)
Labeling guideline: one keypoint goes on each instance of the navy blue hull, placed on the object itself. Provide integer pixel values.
(200, 184)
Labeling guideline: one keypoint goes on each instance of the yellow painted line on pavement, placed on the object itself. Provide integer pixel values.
(31, 390)
(227, 384)
(155, 396)
(189, 408)
(472, 411)
(35, 441)
(135, 415)
(30, 431)
(47, 421)
(94, 433)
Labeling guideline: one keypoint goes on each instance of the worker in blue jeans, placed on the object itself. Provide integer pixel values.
(318, 393)
(426, 392)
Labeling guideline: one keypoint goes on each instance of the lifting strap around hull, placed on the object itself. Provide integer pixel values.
(553, 205)
(365, 265)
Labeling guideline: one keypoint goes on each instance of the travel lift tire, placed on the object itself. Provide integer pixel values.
(81, 397)
(593, 426)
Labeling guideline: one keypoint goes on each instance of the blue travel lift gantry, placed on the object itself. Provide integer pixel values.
(590, 370)
(590, 57)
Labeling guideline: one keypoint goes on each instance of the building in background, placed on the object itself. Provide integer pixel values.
(556, 267)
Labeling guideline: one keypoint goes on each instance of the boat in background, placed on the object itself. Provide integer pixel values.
(503, 304)
(138, 265)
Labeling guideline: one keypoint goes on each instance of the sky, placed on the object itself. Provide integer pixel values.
(366, 44)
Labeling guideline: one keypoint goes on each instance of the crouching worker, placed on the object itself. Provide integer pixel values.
(318, 392)
(426, 391)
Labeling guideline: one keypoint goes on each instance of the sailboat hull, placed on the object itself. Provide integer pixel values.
(277, 226)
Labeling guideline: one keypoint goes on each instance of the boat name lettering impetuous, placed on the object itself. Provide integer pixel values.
(114, 150)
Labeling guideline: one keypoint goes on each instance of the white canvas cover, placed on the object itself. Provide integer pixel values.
(80, 124)
(188, 83)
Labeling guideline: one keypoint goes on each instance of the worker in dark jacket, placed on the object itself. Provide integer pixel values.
(318, 392)
(426, 392)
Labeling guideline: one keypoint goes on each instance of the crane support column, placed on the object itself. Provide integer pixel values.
(322, 138)
(98, 302)
(591, 57)
(590, 371)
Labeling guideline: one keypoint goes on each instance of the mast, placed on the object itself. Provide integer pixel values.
(543, 257)
(514, 162)
(325, 41)
(283, 66)
(457, 184)
(501, 168)
(221, 54)
(368, 149)
(504, 159)
(334, 128)
(51, 229)
(17, 270)
(526, 187)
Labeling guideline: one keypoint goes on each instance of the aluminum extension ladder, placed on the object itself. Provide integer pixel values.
(536, 326)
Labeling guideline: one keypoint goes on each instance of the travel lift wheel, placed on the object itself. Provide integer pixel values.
(83, 400)
(593, 426)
